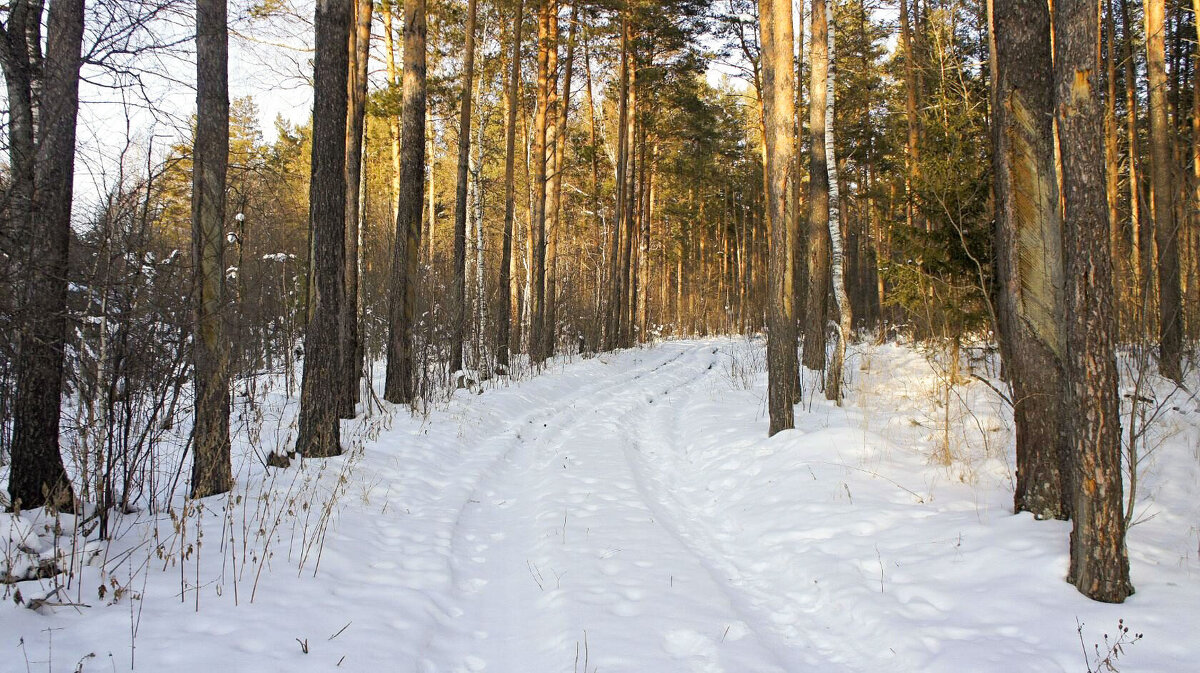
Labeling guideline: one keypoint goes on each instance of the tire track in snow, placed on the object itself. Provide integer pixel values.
(561, 539)
(760, 591)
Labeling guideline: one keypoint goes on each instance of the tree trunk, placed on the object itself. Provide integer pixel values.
(212, 470)
(459, 286)
(512, 104)
(1099, 564)
(1139, 255)
(537, 282)
(1162, 210)
(779, 86)
(406, 249)
(613, 318)
(837, 253)
(36, 473)
(1029, 253)
(818, 196)
(319, 434)
(912, 150)
(554, 194)
(393, 81)
(1112, 149)
(358, 53)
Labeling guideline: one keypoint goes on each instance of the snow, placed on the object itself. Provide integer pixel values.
(627, 513)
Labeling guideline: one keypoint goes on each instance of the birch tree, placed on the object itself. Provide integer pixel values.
(837, 254)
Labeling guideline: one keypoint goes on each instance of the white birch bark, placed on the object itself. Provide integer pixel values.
(833, 386)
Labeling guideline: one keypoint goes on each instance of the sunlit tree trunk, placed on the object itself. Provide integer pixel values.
(779, 85)
(212, 471)
(912, 150)
(837, 252)
(1099, 563)
(1028, 241)
(554, 193)
(458, 301)
(818, 196)
(512, 104)
(537, 241)
(1162, 211)
(406, 252)
(358, 53)
(322, 382)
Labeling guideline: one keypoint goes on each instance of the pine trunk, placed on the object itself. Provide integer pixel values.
(818, 196)
(459, 287)
(1029, 253)
(512, 104)
(779, 86)
(322, 385)
(406, 249)
(1162, 212)
(358, 53)
(212, 471)
(1099, 563)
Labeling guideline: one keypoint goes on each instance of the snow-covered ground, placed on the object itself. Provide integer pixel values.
(627, 513)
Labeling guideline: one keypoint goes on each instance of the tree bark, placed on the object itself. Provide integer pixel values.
(322, 384)
(36, 473)
(554, 194)
(537, 307)
(613, 319)
(459, 286)
(912, 149)
(406, 249)
(1028, 241)
(212, 470)
(1166, 237)
(837, 252)
(779, 86)
(1099, 563)
(815, 313)
(358, 53)
(512, 104)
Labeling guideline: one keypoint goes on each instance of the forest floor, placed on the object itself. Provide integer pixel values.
(627, 512)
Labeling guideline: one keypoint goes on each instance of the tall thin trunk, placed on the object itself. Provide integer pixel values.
(358, 53)
(512, 103)
(1162, 209)
(212, 470)
(799, 236)
(1099, 563)
(613, 318)
(912, 150)
(393, 81)
(554, 194)
(1029, 253)
(459, 286)
(628, 215)
(779, 85)
(36, 473)
(1112, 150)
(322, 384)
(536, 300)
(818, 195)
(595, 191)
(406, 249)
(1139, 255)
(837, 252)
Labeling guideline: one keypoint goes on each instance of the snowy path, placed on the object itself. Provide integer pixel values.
(565, 533)
(626, 513)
